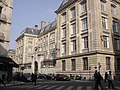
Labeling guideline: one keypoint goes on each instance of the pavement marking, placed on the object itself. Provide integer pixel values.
(59, 88)
(51, 87)
(42, 87)
(89, 88)
(79, 88)
(33, 86)
(69, 88)
(118, 88)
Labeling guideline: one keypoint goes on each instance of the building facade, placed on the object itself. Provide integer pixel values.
(84, 38)
(35, 49)
(86, 33)
(5, 23)
(25, 44)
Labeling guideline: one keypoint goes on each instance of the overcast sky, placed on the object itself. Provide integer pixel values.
(27, 13)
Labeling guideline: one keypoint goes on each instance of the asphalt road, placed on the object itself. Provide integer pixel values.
(57, 85)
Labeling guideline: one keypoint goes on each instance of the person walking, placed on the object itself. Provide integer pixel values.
(110, 83)
(106, 76)
(2, 79)
(99, 79)
(96, 80)
(34, 78)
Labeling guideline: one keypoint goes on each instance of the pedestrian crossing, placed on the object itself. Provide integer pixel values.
(57, 87)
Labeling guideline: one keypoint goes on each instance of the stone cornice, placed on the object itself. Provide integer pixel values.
(84, 54)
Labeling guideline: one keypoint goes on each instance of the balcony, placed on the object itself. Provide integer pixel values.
(2, 37)
(3, 17)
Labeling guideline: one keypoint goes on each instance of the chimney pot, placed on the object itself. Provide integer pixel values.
(43, 24)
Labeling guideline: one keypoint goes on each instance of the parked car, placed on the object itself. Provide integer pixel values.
(61, 77)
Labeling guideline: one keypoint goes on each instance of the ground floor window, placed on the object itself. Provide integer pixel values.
(63, 65)
(85, 63)
(107, 63)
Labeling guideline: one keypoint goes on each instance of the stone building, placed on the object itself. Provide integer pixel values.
(6, 63)
(25, 44)
(88, 37)
(35, 49)
(5, 23)
(47, 48)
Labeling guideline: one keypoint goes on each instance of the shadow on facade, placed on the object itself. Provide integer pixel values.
(6, 63)
(116, 49)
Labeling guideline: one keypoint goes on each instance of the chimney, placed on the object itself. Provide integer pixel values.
(43, 24)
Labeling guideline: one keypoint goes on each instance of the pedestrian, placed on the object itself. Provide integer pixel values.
(96, 80)
(110, 83)
(34, 78)
(99, 79)
(106, 76)
(2, 79)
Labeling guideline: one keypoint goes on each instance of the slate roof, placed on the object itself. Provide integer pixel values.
(64, 4)
(49, 27)
(31, 31)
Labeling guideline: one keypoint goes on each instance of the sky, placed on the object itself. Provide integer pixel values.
(27, 13)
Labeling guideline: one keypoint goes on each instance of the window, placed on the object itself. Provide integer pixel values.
(64, 33)
(52, 36)
(106, 41)
(115, 26)
(73, 64)
(104, 23)
(52, 45)
(84, 24)
(0, 9)
(63, 65)
(85, 63)
(73, 45)
(73, 28)
(29, 49)
(64, 48)
(73, 13)
(85, 42)
(113, 10)
(107, 63)
(117, 44)
(29, 42)
(63, 17)
(118, 63)
(83, 7)
(103, 6)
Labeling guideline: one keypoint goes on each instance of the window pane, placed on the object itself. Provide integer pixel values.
(63, 65)
(107, 63)
(85, 63)
(73, 62)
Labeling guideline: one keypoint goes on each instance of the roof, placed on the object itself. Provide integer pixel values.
(64, 4)
(49, 27)
(30, 31)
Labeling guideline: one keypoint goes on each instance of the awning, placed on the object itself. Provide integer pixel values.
(6, 61)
